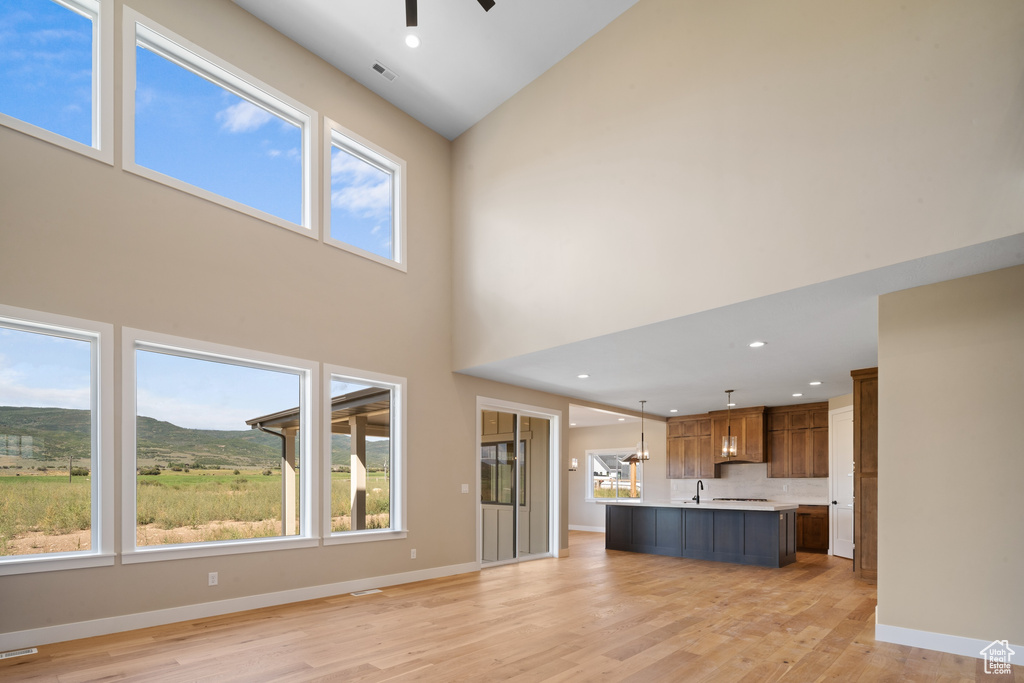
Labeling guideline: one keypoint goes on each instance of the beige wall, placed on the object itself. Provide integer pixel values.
(582, 439)
(81, 238)
(950, 522)
(801, 140)
(844, 401)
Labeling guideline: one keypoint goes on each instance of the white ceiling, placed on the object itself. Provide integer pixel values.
(817, 333)
(469, 61)
(584, 416)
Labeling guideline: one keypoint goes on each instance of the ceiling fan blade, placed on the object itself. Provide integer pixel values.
(486, 4)
(410, 13)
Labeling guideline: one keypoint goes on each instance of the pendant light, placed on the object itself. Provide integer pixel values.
(641, 448)
(728, 440)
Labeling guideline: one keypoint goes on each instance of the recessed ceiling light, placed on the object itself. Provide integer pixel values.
(757, 344)
(412, 40)
(797, 395)
(815, 384)
(572, 424)
(622, 419)
(673, 411)
(583, 376)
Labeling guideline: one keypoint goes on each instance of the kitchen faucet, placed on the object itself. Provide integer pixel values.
(700, 487)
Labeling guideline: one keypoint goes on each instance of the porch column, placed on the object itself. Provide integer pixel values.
(357, 433)
(288, 483)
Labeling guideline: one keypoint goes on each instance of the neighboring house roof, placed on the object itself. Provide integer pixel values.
(373, 402)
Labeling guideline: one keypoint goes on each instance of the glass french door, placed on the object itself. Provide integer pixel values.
(514, 487)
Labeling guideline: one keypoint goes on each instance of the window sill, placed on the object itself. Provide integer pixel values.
(367, 536)
(105, 155)
(30, 564)
(185, 551)
(617, 501)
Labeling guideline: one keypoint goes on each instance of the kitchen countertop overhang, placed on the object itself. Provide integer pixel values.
(767, 506)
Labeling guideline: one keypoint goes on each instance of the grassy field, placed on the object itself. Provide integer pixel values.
(214, 505)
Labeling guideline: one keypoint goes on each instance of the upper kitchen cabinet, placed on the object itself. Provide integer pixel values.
(748, 426)
(798, 441)
(689, 448)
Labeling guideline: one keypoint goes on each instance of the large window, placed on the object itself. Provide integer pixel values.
(364, 454)
(366, 188)
(198, 124)
(614, 473)
(220, 440)
(55, 66)
(55, 440)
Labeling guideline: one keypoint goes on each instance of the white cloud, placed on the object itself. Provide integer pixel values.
(243, 117)
(14, 393)
(368, 199)
(191, 415)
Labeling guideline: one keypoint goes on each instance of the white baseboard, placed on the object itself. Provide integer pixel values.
(940, 642)
(577, 527)
(129, 622)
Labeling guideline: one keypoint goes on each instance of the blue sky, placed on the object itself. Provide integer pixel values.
(360, 204)
(188, 128)
(43, 371)
(202, 394)
(46, 371)
(46, 67)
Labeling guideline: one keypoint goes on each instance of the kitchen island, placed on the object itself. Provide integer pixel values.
(756, 533)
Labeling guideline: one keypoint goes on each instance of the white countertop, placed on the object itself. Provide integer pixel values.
(767, 506)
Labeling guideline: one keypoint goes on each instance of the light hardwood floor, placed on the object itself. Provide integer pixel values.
(594, 616)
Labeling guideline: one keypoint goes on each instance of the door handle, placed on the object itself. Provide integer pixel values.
(835, 502)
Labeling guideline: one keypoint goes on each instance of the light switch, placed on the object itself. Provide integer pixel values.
(465, 488)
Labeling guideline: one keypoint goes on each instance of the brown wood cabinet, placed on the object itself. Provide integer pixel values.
(798, 440)
(748, 428)
(865, 473)
(812, 528)
(689, 448)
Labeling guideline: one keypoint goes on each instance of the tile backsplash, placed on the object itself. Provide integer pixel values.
(750, 480)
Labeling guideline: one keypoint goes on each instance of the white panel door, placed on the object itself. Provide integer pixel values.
(840, 430)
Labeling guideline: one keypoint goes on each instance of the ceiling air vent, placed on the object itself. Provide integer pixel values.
(384, 71)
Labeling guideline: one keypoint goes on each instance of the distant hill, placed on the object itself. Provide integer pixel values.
(57, 433)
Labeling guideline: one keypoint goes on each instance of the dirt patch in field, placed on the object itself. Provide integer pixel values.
(36, 543)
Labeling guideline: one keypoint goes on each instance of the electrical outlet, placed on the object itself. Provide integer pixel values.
(785, 487)
(412, 554)
(213, 578)
(465, 488)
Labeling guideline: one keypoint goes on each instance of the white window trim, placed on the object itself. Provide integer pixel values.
(398, 479)
(335, 134)
(589, 478)
(138, 29)
(102, 148)
(132, 340)
(101, 336)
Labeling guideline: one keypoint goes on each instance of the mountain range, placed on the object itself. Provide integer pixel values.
(58, 433)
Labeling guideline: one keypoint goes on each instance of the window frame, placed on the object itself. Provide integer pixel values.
(397, 514)
(139, 30)
(101, 338)
(133, 340)
(589, 479)
(337, 135)
(102, 148)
